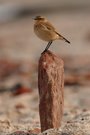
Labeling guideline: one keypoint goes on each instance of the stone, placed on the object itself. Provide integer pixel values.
(50, 84)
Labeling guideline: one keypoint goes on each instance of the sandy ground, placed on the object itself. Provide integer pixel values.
(20, 113)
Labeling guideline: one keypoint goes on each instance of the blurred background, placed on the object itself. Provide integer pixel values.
(20, 46)
(20, 49)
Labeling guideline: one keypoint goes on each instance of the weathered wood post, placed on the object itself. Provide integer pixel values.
(50, 84)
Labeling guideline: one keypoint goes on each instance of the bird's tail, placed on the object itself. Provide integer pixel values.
(61, 37)
(66, 40)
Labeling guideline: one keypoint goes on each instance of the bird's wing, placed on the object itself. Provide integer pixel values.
(47, 26)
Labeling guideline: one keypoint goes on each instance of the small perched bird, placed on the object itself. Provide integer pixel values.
(46, 31)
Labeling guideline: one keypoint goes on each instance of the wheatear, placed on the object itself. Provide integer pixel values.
(46, 31)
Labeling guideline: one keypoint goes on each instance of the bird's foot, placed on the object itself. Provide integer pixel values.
(44, 51)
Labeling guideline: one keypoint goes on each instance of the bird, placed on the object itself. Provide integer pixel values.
(46, 31)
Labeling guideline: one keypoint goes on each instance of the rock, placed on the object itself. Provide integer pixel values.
(18, 89)
(50, 84)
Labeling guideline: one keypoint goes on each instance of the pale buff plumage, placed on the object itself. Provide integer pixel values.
(46, 31)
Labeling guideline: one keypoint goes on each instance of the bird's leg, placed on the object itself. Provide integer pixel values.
(47, 47)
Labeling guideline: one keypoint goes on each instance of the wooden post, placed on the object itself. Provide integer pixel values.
(50, 84)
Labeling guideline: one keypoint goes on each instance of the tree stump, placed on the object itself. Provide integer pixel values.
(50, 84)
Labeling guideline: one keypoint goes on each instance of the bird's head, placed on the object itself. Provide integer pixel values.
(39, 18)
